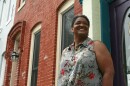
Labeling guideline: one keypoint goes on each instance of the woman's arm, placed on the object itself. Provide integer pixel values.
(105, 63)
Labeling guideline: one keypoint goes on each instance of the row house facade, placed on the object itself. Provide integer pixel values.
(7, 12)
(36, 38)
(41, 30)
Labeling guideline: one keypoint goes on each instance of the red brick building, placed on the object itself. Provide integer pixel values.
(38, 37)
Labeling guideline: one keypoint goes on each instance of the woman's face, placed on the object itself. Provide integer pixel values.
(80, 27)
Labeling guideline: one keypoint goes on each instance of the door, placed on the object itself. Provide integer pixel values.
(120, 40)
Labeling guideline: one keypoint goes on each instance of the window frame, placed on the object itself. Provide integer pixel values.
(65, 30)
(21, 4)
(9, 10)
(126, 46)
(35, 30)
(2, 67)
(1, 13)
(35, 59)
(67, 5)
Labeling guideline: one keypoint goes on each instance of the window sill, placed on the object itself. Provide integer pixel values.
(21, 6)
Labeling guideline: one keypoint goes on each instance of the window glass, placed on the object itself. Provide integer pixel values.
(35, 59)
(127, 45)
(67, 35)
(23, 0)
(21, 4)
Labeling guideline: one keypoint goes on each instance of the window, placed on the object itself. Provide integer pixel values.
(9, 6)
(35, 59)
(10, 12)
(34, 56)
(22, 1)
(64, 36)
(67, 35)
(2, 68)
(126, 46)
(21, 4)
(1, 13)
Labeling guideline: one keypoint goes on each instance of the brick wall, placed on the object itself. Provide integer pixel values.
(46, 12)
(78, 7)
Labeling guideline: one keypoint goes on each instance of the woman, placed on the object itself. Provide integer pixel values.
(85, 62)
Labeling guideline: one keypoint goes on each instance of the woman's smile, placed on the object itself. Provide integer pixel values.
(81, 27)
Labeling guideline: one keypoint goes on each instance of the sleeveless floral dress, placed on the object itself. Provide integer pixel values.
(79, 67)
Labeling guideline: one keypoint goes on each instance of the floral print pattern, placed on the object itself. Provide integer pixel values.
(79, 67)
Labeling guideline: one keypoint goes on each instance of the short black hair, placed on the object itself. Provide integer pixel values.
(77, 16)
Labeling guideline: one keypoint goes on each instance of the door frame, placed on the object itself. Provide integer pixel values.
(116, 35)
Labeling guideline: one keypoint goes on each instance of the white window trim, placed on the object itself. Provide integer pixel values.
(1, 13)
(35, 30)
(67, 5)
(7, 23)
(21, 5)
(9, 10)
(11, 15)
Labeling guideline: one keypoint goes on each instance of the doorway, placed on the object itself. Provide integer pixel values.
(120, 40)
